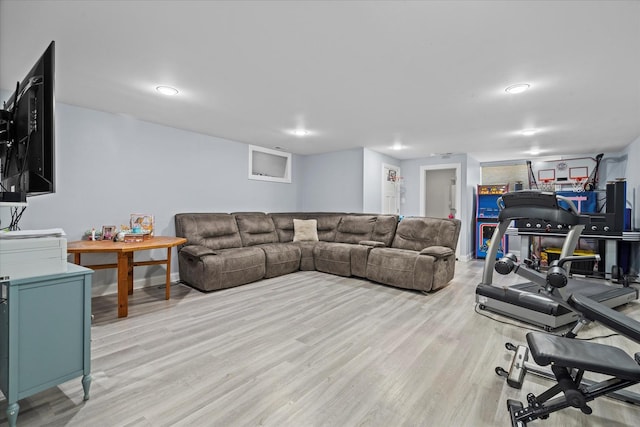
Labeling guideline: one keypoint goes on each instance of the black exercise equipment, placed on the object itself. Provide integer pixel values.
(527, 301)
(570, 359)
(556, 279)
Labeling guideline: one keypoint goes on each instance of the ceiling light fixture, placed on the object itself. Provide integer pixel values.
(528, 132)
(397, 146)
(518, 88)
(167, 90)
(300, 132)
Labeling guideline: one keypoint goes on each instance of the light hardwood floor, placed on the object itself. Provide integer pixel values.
(306, 349)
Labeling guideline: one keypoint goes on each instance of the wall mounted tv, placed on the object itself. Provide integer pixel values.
(27, 134)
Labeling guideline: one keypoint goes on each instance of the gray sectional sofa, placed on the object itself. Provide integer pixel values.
(225, 250)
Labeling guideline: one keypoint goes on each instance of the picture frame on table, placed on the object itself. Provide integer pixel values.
(144, 223)
(108, 232)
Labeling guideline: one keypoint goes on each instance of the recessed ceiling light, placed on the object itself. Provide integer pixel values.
(528, 132)
(534, 151)
(300, 132)
(517, 88)
(397, 146)
(167, 90)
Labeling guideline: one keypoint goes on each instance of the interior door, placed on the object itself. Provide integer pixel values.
(390, 189)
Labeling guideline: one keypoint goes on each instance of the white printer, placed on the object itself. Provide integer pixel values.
(27, 256)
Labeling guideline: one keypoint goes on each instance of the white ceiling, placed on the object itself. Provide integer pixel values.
(430, 75)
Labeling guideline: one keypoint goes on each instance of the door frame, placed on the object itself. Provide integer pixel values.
(423, 184)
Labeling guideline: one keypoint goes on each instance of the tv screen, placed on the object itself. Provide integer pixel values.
(27, 137)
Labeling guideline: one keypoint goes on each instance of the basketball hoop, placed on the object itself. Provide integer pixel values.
(578, 184)
(547, 185)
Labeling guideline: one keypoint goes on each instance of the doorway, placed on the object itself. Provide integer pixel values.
(441, 184)
(390, 189)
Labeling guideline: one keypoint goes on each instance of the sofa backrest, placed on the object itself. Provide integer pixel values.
(327, 224)
(355, 228)
(256, 228)
(417, 233)
(223, 230)
(213, 230)
(384, 229)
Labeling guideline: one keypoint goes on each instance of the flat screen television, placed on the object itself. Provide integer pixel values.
(27, 134)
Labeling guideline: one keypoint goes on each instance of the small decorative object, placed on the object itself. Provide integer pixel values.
(142, 223)
(108, 232)
(133, 237)
(92, 234)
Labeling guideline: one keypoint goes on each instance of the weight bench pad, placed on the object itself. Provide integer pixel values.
(572, 353)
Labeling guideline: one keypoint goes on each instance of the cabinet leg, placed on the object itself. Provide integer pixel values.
(12, 414)
(86, 384)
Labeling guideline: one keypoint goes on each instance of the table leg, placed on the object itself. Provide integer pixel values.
(76, 258)
(130, 273)
(167, 291)
(123, 279)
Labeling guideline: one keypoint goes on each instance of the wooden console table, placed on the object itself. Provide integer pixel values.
(126, 263)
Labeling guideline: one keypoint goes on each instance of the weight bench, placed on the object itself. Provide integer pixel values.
(571, 358)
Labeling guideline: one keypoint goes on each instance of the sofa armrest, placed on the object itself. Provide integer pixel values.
(437, 251)
(372, 243)
(197, 251)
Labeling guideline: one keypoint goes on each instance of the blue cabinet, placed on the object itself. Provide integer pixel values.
(45, 334)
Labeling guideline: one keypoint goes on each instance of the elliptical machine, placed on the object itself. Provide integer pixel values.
(527, 301)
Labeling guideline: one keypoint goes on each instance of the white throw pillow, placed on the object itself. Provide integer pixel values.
(305, 230)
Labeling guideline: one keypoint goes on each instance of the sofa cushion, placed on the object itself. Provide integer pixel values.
(307, 263)
(416, 233)
(212, 230)
(355, 228)
(334, 258)
(256, 229)
(401, 268)
(305, 230)
(224, 269)
(280, 258)
(384, 229)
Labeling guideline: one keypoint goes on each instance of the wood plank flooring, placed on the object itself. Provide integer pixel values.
(306, 349)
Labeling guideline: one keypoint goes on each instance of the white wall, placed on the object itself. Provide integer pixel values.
(632, 173)
(473, 178)
(331, 182)
(109, 166)
(411, 207)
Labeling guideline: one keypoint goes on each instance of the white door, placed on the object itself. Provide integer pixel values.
(390, 189)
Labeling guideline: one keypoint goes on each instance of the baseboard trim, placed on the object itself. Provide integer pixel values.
(145, 282)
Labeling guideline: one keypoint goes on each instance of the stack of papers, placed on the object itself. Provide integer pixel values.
(30, 234)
